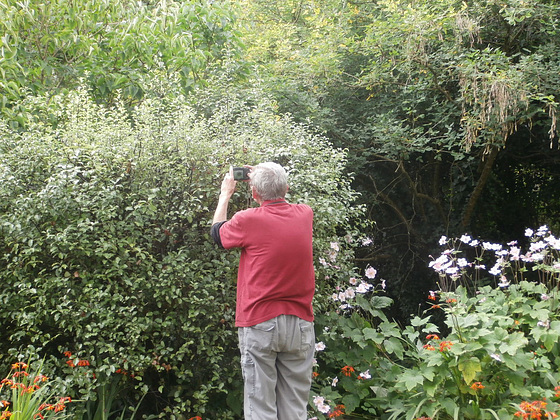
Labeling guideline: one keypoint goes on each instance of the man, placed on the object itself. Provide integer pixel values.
(275, 287)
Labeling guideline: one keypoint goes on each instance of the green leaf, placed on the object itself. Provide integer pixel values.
(469, 368)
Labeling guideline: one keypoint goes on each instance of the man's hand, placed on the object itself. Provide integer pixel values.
(228, 184)
(226, 191)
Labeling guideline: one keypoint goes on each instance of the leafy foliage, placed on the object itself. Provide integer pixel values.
(117, 46)
(496, 357)
(448, 110)
(105, 231)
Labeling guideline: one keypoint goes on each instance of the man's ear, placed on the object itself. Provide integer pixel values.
(256, 195)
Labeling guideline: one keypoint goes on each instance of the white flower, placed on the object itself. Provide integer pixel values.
(365, 375)
(371, 272)
(466, 239)
(383, 285)
(350, 293)
(544, 324)
(353, 281)
(321, 405)
(491, 247)
(537, 246)
(462, 262)
(367, 241)
(363, 287)
(545, 297)
(334, 245)
(553, 241)
(503, 282)
(514, 253)
(320, 346)
(496, 270)
(452, 270)
(441, 264)
(542, 230)
(334, 382)
(528, 232)
(496, 357)
(443, 240)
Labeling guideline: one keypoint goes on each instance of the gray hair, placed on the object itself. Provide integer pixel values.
(270, 180)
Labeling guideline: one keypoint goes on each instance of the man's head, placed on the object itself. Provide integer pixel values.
(269, 181)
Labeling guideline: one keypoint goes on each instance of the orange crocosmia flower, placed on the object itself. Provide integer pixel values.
(4, 403)
(19, 365)
(68, 353)
(83, 363)
(347, 370)
(315, 374)
(436, 306)
(445, 345)
(477, 385)
(432, 337)
(40, 378)
(338, 411)
(5, 415)
(429, 347)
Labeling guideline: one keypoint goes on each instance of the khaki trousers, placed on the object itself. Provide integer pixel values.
(277, 363)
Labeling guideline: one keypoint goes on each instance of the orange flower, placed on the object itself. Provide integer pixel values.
(432, 337)
(347, 370)
(534, 410)
(338, 411)
(5, 415)
(19, 365)
(557, 389)
(429, 347)
(68, 353)
(445, 345)
(196, 418)
(477, 385)
(83, 363)
(4, 403)
(40, 378)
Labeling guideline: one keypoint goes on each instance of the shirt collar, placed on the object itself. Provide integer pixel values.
(273, 202)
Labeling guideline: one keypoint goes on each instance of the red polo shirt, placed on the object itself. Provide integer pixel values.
(276, 274)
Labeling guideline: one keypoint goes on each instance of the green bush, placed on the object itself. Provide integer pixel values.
(105, 220)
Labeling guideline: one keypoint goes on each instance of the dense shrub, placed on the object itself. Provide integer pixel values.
(107, 267)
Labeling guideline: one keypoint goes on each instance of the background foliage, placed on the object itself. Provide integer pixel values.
(448, 110)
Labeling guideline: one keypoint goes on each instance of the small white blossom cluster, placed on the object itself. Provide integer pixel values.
(357, 286)
(544, 247)
(321, 404)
